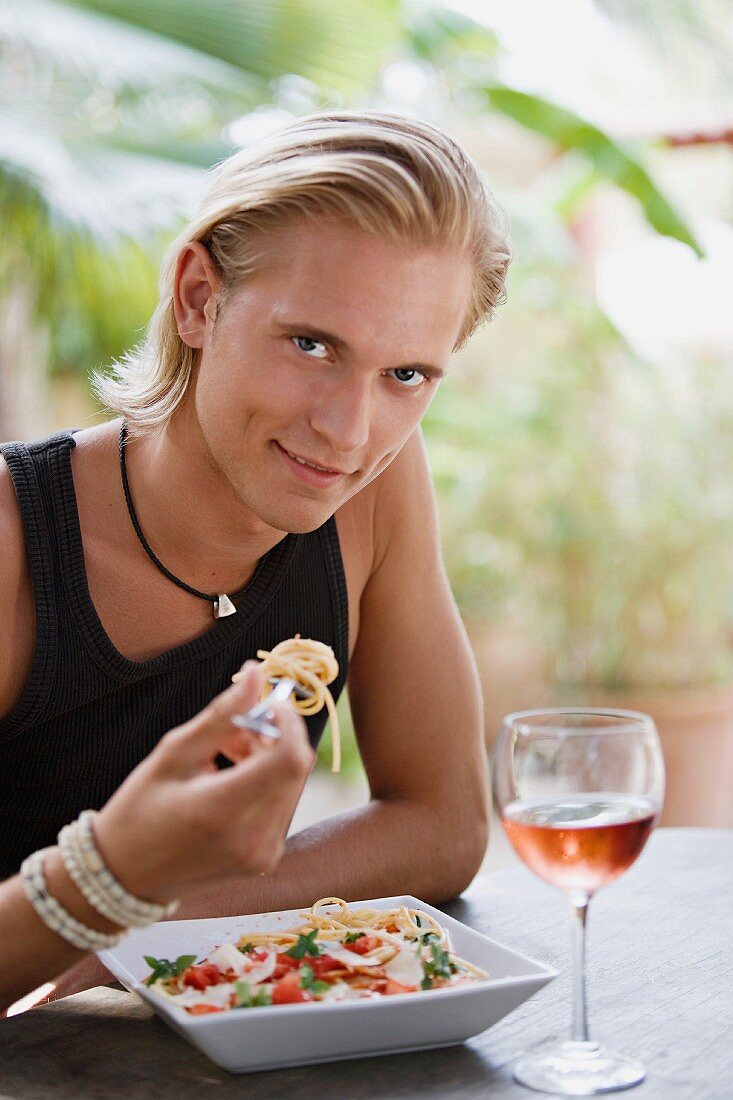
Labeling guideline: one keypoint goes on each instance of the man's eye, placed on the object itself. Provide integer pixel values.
(311, 347)
(409, 377)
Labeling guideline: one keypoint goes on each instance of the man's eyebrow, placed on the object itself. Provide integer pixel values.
(299, 328)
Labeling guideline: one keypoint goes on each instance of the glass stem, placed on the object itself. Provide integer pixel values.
(579, 906)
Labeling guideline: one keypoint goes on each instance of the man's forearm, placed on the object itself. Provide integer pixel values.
(383, 848)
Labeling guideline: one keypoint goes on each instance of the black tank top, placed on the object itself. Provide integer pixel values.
(88, 715)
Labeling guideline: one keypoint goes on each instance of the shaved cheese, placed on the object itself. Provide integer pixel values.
(217, 995)
(245, 966)
(260, 971)
(339, 991)
(348, 958)
(406, 967)
(228, 957)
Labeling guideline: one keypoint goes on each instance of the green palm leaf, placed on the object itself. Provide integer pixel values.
(609, 159)
(50, 44)
(443, 38)
(117, 100)
(327, 41)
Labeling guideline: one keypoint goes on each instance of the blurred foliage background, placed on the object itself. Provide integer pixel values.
(581, 446)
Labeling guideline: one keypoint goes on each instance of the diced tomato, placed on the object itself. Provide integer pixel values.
(387, 987)
(391, 987)
(324, 965)
(284, 964)
(364, 944)
(288, 992)
(202, 1010)
(202, 976)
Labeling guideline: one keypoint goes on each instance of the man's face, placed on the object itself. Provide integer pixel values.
(328, 357)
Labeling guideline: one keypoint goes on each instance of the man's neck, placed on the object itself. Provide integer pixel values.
(190, 514)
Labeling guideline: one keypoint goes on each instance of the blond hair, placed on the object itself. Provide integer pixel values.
(392, 176)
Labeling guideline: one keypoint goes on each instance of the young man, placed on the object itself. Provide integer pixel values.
(267, 478)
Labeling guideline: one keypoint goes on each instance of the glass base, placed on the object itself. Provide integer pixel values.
(577, 1069)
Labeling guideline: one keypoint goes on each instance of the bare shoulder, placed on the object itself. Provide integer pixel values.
(397, 501)
(16, 598)
(355, 525)
(404, 508)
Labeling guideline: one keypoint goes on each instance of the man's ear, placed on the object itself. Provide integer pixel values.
(195, 293)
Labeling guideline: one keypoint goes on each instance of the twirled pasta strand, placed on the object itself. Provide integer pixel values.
(313, 666)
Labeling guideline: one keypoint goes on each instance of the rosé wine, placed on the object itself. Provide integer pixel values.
(582, 841)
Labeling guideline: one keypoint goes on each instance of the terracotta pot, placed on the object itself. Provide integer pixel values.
(696, 730)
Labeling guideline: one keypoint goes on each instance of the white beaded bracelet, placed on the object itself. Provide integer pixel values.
(53, 914)
(101, 889)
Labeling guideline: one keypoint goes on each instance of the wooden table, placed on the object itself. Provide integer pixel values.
(660, 988)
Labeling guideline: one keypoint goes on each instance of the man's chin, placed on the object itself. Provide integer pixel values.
(298, 521)
(296, 514)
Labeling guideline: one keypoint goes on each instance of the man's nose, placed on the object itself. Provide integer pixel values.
(343, 415)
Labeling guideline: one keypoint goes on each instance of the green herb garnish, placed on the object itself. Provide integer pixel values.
(247, 948)
(309, 982)
(437, 966)
(352, 937)
(247, 999)
(305, 946)
(164, 968)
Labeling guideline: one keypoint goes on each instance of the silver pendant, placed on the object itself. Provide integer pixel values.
(223, 606)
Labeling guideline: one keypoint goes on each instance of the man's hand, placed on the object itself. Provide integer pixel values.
(207, 826)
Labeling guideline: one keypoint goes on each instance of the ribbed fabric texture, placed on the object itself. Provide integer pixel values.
(88, 715)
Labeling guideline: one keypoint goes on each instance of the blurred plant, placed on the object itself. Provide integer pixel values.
(692, 39)
(580, 493)
(583, 492)
(461, 60)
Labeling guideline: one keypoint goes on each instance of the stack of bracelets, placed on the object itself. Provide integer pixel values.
(89, 872)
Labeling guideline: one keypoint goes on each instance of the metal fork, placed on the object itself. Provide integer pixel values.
(257, 717)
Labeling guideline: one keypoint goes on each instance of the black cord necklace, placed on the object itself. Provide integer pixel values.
(223, 605)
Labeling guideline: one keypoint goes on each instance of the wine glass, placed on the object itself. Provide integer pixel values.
(579, 792)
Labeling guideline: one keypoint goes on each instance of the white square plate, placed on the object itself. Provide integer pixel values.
(294, 1035)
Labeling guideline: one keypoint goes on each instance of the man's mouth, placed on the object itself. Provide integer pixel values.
(311, 472)
(313, 465)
